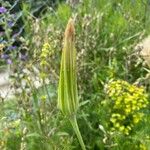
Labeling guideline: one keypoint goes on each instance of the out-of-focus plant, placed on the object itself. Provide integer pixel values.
(67, 91)
(106, 36)
(127, 102)
(10, 126)
(10, 33)
(144, 47)
(101, 33)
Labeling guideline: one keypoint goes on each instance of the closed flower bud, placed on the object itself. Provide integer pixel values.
(67, 90)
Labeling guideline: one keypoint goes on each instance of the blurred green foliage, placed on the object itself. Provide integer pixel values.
(106, 35)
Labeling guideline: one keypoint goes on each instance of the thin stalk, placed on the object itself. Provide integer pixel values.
(74, 124)
(46, 89)
(37, 109)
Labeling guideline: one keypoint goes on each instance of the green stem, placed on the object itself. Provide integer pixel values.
(74, 124)
(46, 89)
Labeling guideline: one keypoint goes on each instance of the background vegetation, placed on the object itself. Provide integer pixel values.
(107, 33)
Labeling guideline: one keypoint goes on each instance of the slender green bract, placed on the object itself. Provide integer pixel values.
(67, 91)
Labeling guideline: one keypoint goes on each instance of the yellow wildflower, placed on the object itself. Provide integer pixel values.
(126, 100)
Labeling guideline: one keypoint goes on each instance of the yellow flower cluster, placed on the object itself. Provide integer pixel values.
(126, 100)
(142, 147)
(45, 53)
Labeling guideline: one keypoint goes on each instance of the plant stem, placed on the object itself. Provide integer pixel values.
(46, 89)
(74, 124)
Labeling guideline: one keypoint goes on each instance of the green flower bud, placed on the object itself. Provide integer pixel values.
(67, 90)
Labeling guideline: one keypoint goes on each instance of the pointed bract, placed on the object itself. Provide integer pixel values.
(67, 90)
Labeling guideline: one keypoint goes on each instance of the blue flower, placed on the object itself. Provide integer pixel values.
(4, 56)
(11, 48)
(9, 61)
(3, 10)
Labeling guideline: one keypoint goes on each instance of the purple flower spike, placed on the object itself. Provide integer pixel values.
(3, 10)
(4, 56)
(9, 61)
(11, 48)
